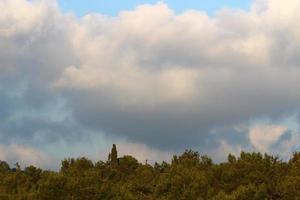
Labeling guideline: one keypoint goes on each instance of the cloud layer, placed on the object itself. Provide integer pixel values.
(25, 156)
(169, 81)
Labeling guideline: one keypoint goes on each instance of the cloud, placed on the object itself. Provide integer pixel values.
(25, 156)
(286, 145)
(274, 139)
(174, 80)
(224, 149)
(151, 76)
(263, 137)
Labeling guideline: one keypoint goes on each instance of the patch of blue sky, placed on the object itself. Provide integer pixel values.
(113, 7)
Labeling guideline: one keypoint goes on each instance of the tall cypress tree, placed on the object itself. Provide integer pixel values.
(114, 156)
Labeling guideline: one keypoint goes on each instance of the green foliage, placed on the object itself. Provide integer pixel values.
(114, 157)
(190, 176)
(4, 167)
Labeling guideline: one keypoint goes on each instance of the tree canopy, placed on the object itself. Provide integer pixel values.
(189, 176)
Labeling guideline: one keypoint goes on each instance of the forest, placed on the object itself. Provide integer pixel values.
(189, 176)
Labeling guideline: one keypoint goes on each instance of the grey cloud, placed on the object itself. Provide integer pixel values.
(148, 75)
(34, 50)
(288, 135)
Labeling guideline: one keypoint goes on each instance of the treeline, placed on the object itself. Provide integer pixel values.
(190, 176)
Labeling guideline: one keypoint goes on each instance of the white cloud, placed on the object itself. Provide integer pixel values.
(25, 156)
(224, 149)
(263, 136)
(148, 75)
(19, 16)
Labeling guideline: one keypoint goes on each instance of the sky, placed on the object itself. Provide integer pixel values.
(155, 78)
(113, 7)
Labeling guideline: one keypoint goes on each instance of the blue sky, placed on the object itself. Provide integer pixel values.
(113, 7)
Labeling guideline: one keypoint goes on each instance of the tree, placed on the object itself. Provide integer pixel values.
(4, 167)
(114, 157)
(250, 176)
